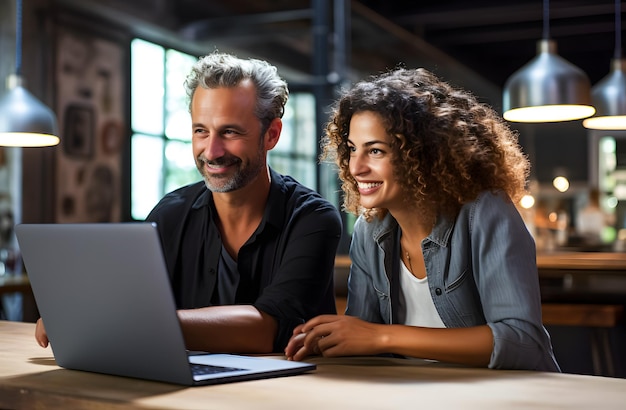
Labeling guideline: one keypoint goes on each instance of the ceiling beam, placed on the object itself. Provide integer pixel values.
(240, 24)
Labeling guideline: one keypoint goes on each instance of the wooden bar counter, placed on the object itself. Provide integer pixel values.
(600, 261)
(30, 379)
(592, 261)
(572, 277)
(583, 277)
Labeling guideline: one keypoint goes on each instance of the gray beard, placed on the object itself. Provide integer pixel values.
(244, 175)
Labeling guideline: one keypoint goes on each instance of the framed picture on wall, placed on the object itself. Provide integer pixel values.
(78, 133)
(90, 100)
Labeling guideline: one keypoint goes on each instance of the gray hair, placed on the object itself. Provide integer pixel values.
(225, 70)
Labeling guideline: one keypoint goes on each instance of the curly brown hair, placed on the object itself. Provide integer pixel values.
(447, 146)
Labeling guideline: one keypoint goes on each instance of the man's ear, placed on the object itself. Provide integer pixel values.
(272, 134)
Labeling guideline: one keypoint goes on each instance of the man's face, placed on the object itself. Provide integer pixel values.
(228, 147)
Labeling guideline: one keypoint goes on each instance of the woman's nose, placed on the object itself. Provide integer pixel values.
(357, 165)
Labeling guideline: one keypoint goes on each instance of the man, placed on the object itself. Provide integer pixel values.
(250, 252)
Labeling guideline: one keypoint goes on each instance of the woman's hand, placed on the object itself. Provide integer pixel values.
(40, 334)
(335, 335)
(296, 344)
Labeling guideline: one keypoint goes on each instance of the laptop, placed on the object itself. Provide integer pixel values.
(104, 295)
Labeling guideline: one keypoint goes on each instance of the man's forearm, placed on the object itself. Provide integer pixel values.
(228, 329)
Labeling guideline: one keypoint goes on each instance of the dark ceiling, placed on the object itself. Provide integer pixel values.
(493, 38)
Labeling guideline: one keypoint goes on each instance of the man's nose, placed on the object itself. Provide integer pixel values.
(214, 147)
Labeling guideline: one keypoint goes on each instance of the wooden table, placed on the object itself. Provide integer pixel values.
(29, 378)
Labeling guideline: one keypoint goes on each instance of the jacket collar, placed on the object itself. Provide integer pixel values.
(440, 234)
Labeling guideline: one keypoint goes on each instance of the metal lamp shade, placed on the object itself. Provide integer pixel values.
(24, 120)
(609, 98)
(547, 89)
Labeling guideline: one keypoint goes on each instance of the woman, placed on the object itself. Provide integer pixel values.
(443, 267)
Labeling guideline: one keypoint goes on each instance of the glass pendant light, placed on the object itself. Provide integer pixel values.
(609, 95)
(24, 120)
(548, 88)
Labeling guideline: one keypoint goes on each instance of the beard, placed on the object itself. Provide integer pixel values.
(244, 171)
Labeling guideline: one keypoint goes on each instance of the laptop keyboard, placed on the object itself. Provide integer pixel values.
(204, 369)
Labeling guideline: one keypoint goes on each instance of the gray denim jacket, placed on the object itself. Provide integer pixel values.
(481, 269)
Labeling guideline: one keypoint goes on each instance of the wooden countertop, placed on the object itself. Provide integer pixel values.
(30, 378)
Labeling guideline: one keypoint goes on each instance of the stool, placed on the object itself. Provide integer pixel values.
(600, 318)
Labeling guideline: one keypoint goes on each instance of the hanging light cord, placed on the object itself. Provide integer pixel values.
(618, 30)
(18, 37)
(546, 19)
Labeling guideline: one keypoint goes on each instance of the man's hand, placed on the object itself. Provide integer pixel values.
(40, 334)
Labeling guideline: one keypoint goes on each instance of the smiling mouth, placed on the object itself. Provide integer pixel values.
(219, 166)
(368, 185)
(216, 170)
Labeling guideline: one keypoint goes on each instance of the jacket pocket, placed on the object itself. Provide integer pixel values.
(463, 295)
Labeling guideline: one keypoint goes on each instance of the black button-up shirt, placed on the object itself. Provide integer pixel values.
(285, 268)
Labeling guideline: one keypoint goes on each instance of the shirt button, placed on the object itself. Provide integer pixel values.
(438, 291)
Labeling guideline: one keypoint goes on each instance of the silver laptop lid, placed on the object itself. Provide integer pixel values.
(104, 296)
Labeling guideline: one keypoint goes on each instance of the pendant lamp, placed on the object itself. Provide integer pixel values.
(548, 88)
(24, 120)
(609, 95)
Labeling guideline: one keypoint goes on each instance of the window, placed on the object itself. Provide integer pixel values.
(296, 151)
(161, 157)
(161, 154)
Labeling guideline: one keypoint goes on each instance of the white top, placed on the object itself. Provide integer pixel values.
(416, 307)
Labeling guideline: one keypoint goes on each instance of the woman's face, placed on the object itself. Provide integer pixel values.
(371, 162)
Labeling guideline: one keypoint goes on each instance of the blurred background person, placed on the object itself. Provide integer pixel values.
(592, 221)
